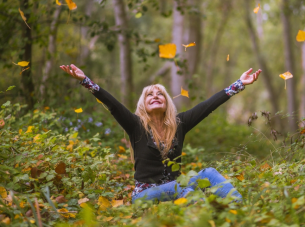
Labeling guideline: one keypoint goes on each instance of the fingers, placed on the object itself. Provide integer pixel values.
(249, 71)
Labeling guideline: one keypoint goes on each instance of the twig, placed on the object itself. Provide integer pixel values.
(38, 213)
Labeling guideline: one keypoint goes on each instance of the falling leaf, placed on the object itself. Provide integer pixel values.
(116, 203)
(167, 50)
(184, 92)
(22, 63)
(285, 76)
(189, 45)
(71, 4)
(60, 168)
(30, 129)
(233, 211)
(103, 203)
(58, 3)
(300, 36)
(180, 201)
(78, 110)
(23, 18)
(257, 8)
(24, 70)
(228, 57)
(3, 192)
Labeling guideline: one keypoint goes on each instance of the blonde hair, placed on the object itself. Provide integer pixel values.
(170, 121)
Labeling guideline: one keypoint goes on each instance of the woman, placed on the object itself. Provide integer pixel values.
(156, 135)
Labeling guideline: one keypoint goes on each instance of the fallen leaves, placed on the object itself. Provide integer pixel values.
(183, 93)
(2, 123)
(167, 50)
(180, 201)
(3, 192)
(60, 168)
(23, 18)
(300, 36)
(189, 45)
(255, 10)
(285, 76)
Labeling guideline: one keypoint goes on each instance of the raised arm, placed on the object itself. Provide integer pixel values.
(123, 116)
(192, 117)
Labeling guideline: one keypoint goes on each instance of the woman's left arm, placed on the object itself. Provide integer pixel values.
(192, 117)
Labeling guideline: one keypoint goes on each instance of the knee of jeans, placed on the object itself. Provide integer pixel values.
(210, 170)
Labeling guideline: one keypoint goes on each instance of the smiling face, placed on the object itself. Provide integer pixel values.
(155, 101)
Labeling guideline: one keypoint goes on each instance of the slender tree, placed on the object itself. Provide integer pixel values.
(125, 54)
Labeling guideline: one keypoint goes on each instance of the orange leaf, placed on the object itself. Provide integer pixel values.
(23, 18)
(58, 3)
(300, 36)
(184, 92)
(103, 203)
(2, 123)
(71, 4)
(240, 177)
(116, 203)
(286, 76)
(303, 131)
(167, 50)
(233, 211)
(257, 8)
(264, 167)
(189, 45)
(228, 57)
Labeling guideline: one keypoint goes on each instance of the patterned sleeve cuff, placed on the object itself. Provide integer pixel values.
(235, 88)
(87, 83)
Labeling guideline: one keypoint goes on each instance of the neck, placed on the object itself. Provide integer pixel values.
(158, 121)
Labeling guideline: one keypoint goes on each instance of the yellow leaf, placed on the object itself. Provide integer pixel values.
(138, 15)
(183, 154)
(22, 63)
(65, 213)
(58, 3)
(226, 176)
(20, 131)
(228, 57)
(71, 4)
(300, 36)
(240, 177)
(228, 220)
(122, 149)
(122, 156)
(233, 211)
(189, 45)
(257, 8)
(78, 110)
(98, 101)
(212, 223)
(116, 203)
(23, 18)
(167, 50)
(32, 221)
(36, 138)
(107, 218)
(6, 220)
(293, 200)
(103, 203)
(286, 75)
(22, 204)
(180, 201)
(29, 129)
(46, 108)
(184, 92)
(3, 192)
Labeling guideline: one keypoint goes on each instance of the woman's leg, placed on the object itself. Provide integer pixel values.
(216, 179)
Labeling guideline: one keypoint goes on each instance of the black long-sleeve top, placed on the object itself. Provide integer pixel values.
(148, 160)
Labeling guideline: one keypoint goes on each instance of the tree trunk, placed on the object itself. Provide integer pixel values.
(259, 20)
(266, 76)
(177, 79)
(289, 64)
(49, 64)
(226, 9)
(26, 78)
(193, 34)
(125, 54)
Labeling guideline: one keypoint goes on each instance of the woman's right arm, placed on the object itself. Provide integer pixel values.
(123, 116)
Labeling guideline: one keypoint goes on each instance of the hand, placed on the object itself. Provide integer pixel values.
(74, 71)
(249, 79)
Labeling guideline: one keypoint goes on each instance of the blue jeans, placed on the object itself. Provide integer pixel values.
(172, 190)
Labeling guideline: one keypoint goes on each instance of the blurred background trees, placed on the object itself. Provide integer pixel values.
(116, 44)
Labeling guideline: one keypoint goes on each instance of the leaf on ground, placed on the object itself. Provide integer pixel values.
(233, 212)
(103, 203)
(23, 18)
(78, 110)
(60, 168)
(255, 10)
(65, 213)
(167, 50)
(300, 36)
(189, 45)
(116, 203)
(3, 192)
(240, 177)
(2, 123)
(264, 167)
(83, 200)
(30, 129)
(180, 201)
(71, 4)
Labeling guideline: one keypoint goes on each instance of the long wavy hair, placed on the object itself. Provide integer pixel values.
(170, 120)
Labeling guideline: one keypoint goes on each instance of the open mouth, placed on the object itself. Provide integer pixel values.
(156, 102)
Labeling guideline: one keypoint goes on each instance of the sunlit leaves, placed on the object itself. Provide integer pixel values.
(255, 10)
(23, 18)
(285, 76)
(180, 201)
(189, 45)
(30, 129)
(80, 110)
(300, 36)
(183, 93)
(167, 50)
